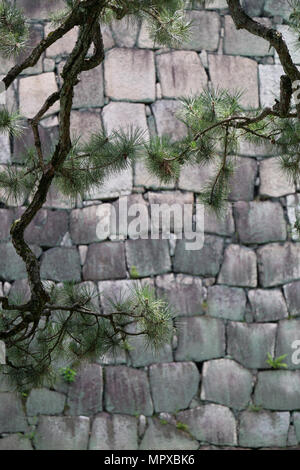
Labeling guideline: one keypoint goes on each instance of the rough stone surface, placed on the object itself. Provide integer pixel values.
(232, 72)
(127, 391)
(176, 395)
(242, 182)
(234, 383)
(12, 417)
(15, 442)
(292, 295)
(250, 344)
(288, 333)
(180, 73)
(34, 91)
(217, 225)
(160, 436)
(47, 228)
(263, 429)
(260, 222)
(62, 433)
(90, 90)
(279, 264)
(240, 42)
(239, 267)
(137, 82)
(205, 31)
(273, 182)
(45, 402)
(165, 114)
(114, 432)
(204, 262)
(90, 224)
(148, 256)
(226, 302)
(211, 423)
(278, 390)
(105, 261)
(85, 393)
(267, 305)
(61, 264)
(200, 339)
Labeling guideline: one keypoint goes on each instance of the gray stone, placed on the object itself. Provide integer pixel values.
(7, 218)
(273, 182)
(85, 393)
(137, 81)
(117, 291)
(292, 295)
(263, 429)
(125, 31)
(293, 209)
(253, 7)
(269, 79)
(239, 267)
(62, 433)
(241, 42)
(279, 264)
(89, 92)
(267, 305)
(167, 123)
(142, 355)
(185, 294)
(55, 199)
(84, 124)
(260, 221)
(142, 177)
(226, 302)
(114, 432)
(200, 339)
(211, 423)
(242, 181)
(47, 228)
(45, 402)
(4, 149)
(288, 333)
(234, 383)
(250, 344)
(118, 116)
(12, 266)
(105, 261)
(148, 256)
(34, 91)
(277, 8)
(291, 39)
(12, 417)
(64, 45)
(297, 425)
(36, 9)
(180, 74)
(194, 178)
(160, 436)
(223, 225)
(278, 390)
(204, 31)
(204, 262)
(168, 385)
(127, 391)
(61, 264)
(90, 224)
(233, 73)
(15, 442)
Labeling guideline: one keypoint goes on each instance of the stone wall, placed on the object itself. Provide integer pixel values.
(237, 299)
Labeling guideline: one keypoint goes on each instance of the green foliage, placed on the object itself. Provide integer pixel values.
(255, 408)
(10, 122)
(13, 30)
(134, 274)
(182, 426)
(276, 363)
(68, 374)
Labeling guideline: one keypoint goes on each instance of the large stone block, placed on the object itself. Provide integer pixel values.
(185, 294)
(4, 149)
(90, 224)
(226, 302)
(278, 390)
(269, 80)
(260, 222)
(239, 267)
(36, 9)
(7, 218)
(234, 383)
(211, 423)
(84, 124)
(278, 8)
(223, 225)
(125, 31)
(130, 75)
(168, 385)
(263, 429)
(64, 45)
(12, 416)
(15, 442)
(105, 261)
(232, 73)
(61, 264)
(273, 182)
(127, 391)
(159, 436)
(291, 39)
(165, 113)
(34, 91)
(250, 344)
(267, 305)
(297, 425)
(12, 266)
(194, 178)
(180, 74)
(293, 209)
(47, 228)
(85, 393)
(148, 256)
(42, 401)
(292, 295)
(242, 181)
(142, 355)
(203, 262)
(200, 339)
(62, 433)
(278, 264)
(89, 92)
(240, 42)
(288, 333)
(123, 115)
(204, 30)
(114, 432)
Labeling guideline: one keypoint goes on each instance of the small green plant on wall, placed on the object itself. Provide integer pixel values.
(276, 362)
(68, 374)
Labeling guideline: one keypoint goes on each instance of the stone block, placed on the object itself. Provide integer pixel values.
(62, 433)
(239, 267)
(241, 42)
(34, 91)
(273, 182)
(267, 305)
(242, 181)
(278, 390)
(64, 45)
(263, 429)
(61, 264)
(85, 393)
(165, 114)
(278, 264)
(42, 401)
(12, 416)
(105, 260)
(47, 228)
(204, 30)
(292, 295)
(148, 256)
(90, 224)
(226, 302)
(160, 436)
(288, 333)
(15, 442)
(114, 432)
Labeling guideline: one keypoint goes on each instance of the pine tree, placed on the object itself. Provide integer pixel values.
(60, 324)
